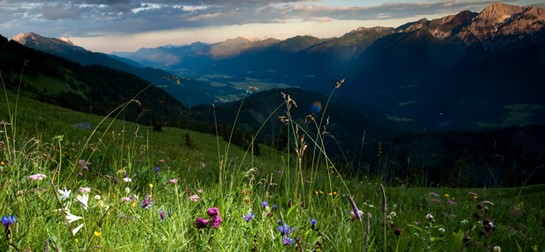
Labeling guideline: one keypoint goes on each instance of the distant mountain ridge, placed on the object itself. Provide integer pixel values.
(463, 71)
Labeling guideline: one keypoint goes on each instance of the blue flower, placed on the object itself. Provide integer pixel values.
(8, 220)
(286, 241)
(249, 217)
(284, 229)
(264, 204)
(313, 222)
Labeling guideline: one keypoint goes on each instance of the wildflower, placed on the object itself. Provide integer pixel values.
(97, 197)
(249, 217)
(216, 221)
(434, 194)
(452, 202)
(147, 202)
(162, 215)
(203, 165)
(194, 198)
(38, 176)
(473, 195)
(213, 212)
(173, 181)
(199, 190)
(496, 248)
(357, 214)
(75, 230)
(69, 217)
(63, 194)
(286, 241)
(284, 229)
(127, 190)
(437, 201)
(430, 217)
(83, 190)
(397, 231)
(487, 202)
(274, 207)
(264, 204)
(201, 223)
(127, 179)
(464, 221)
(83, 200)
(97, 233)
(125, 199)
(8, 220)
(447, 195)
(133, 204)
(84, 164)
(157, 170)
(442, 230)
(150, 186)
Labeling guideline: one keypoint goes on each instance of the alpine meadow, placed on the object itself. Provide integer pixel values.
(425, 137)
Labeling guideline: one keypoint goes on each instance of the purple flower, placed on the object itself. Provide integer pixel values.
(84, 164)
(249, 217)
(284, 229)
(437, 201)
(286, 241)
(213, 212)
(434, 194)
(397, 231)
(452, 202)
(264, 204)
(216, 221)
(8, 220)
(38, 176)
(162, 215)
(147, 203)
(200, 222)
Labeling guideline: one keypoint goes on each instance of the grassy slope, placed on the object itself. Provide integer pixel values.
(125, 149)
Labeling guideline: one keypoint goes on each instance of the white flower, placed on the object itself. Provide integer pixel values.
(442, 230)
(127, 179)
(496, 248)
(430, 218)
(97, 197)
(83, 199)
(75, 230)
(464, 221)
(127, 190)
(71, 218)
(63, 194)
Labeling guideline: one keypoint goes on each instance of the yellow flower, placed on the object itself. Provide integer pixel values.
(447, 195)
(2, 163)
(97, 234)
(475, 197)
(150, 185)
(133, 204)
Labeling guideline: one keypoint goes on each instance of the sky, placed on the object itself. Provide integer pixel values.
(127, 25)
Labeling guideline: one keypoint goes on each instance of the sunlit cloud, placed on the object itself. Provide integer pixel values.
(128, 18)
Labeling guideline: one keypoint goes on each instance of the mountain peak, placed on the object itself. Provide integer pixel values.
(498, 12)
(34, 40)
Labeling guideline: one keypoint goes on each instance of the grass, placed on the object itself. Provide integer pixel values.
(266, 203)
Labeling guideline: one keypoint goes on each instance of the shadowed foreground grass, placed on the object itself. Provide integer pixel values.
(122, 187)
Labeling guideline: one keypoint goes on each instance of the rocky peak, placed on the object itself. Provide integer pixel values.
(497, 13)
(52, 45)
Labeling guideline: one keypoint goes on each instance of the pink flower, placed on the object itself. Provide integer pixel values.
(194, 198)
(84, 190)
(438, 201)
(452, 203)
(127, 179)
(200, 190)
(125, 199)
(434, 194)
(173, 181)
(216, 221)
(38, 176)
(201, 223)
(213, 212)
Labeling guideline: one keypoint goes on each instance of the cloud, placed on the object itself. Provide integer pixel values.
(95, 17)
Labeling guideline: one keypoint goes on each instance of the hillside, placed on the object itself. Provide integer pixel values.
(93, 89)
